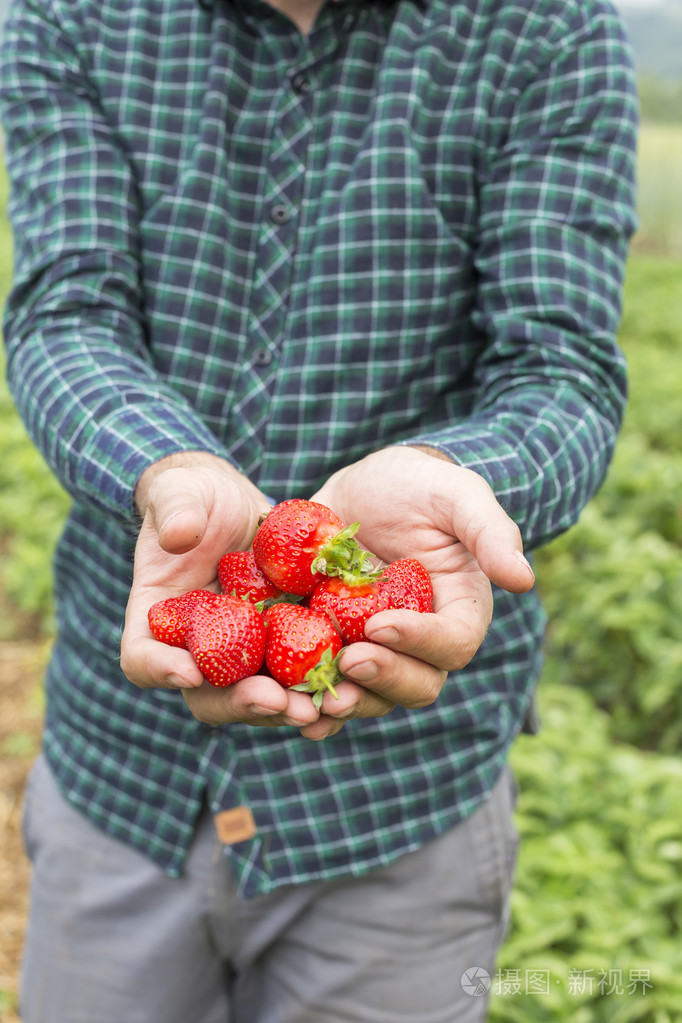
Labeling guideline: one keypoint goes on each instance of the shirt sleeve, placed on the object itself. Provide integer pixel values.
(556, 215)
(77, 359)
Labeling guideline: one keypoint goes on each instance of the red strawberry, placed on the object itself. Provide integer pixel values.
(227, 640)
(350, 604)
(301, 649)
(409, 585)
(240, 576)
(299, 539)
(169, 618)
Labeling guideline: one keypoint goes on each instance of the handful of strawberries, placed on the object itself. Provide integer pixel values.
(290, 603)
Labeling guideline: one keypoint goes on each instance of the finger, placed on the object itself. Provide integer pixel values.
(447, 640)
(394, 677)
(480, 522)
(149, 664)
(257, 700)
(178, 505)
(323, 728)
(352, 701)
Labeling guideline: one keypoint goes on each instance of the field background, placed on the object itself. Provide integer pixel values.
(597, 914)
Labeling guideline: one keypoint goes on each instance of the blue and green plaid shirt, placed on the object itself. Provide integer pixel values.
(409, 227)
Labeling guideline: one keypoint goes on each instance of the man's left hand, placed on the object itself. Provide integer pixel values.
(416, 503)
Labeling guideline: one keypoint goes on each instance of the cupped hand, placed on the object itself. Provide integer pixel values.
(415, 503)
(195, 509)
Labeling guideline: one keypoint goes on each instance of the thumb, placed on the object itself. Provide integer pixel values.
(494, 539)
(178, 507)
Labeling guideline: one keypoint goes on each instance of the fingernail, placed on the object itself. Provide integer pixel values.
(169, 518)
(525, 562)
(387, 636)
(365, 671)
(260, 711)
(295, 722)
(176, 682)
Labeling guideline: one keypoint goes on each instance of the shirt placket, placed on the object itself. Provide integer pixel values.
(282, 200)
(285, 180)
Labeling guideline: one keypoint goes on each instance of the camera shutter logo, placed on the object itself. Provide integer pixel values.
(476, 981)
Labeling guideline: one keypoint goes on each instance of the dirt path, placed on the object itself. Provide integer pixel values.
(21, 710)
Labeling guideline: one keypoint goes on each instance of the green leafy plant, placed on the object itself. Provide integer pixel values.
(613, 584)
(597, 908)
(659, 201)
(32, 504)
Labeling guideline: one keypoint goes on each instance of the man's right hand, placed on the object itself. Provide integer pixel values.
(196, 507)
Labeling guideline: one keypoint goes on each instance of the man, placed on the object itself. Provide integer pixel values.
(369, 253)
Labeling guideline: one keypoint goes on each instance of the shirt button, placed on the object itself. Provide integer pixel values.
(262, 357)
(301, 83)
(280, 214)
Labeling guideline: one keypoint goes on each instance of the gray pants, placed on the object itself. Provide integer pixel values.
(111, 939)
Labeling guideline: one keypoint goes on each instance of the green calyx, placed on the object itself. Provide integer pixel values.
(343, 556)
(322, 678)
(282, 598)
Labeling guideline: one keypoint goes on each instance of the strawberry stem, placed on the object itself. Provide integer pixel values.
(343, 556)
(320, 679)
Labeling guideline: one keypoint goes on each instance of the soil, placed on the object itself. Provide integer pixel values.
(21, 712)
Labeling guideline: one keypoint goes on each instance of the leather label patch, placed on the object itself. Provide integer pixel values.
(235, 825)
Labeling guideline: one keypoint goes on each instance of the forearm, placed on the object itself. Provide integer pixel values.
(76, 329)
(556, 213)
(544, 457)
(100, 415)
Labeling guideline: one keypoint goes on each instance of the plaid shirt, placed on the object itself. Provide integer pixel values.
(409, 227)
